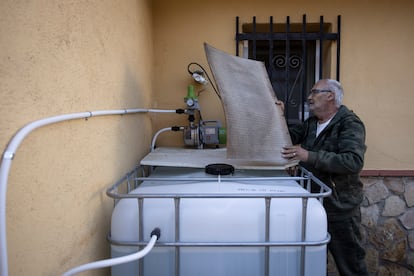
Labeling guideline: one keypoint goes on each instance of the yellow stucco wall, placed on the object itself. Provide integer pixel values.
(60, 57)
(376, 61)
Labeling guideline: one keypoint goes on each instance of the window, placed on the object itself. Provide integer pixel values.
(295, 55)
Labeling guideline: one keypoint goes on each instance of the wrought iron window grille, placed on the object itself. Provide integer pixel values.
(295, 55)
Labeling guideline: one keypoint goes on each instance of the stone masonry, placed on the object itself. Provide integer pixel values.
(387, 226)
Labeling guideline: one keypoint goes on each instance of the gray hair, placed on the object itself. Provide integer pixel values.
(336, 87)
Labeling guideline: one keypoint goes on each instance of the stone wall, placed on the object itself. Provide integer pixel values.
(387, 226)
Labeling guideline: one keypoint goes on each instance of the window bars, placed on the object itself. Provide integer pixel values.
(295, 55)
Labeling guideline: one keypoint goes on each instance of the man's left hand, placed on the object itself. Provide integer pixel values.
(295, 152)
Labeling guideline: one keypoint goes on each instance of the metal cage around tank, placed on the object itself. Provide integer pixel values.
(132, 180)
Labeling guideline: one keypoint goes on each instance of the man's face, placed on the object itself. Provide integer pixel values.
(318, 97)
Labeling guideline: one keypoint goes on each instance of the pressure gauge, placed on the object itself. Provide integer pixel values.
(190, 102)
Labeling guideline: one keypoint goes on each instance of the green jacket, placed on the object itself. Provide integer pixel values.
(336, 157)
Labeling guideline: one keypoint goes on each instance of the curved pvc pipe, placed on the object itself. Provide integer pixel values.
(154, 139)
(11, 151)
(114, 261)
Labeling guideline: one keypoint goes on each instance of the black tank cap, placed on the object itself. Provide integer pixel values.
(219, 169)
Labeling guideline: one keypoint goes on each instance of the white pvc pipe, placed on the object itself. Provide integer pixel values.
(11, 151)
(154, 139)
(114, 261)
(162, 110)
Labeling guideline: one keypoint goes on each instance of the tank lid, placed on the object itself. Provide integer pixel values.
(219, 169)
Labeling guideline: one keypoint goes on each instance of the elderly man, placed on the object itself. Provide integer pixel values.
(331, 144)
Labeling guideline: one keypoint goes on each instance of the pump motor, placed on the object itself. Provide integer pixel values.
(207, 133)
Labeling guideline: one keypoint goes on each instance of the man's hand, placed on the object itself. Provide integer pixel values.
(295, 152)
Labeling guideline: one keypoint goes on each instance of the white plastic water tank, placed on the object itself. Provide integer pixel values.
(220, 220)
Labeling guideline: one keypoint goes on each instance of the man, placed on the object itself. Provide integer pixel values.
(331, 144)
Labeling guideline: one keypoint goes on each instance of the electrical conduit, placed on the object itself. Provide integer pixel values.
(12, 147)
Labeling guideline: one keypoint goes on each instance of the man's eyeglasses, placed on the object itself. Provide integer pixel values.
(316, 91)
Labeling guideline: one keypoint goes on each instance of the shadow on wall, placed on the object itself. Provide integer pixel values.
(134, 132)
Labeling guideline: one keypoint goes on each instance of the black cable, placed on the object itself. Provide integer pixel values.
(205, 72)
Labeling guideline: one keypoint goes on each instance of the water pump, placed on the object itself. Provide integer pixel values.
(201, 133)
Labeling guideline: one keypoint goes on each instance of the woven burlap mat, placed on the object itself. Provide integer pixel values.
(256, 126)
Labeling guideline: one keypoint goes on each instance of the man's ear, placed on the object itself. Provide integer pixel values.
(331, 96)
